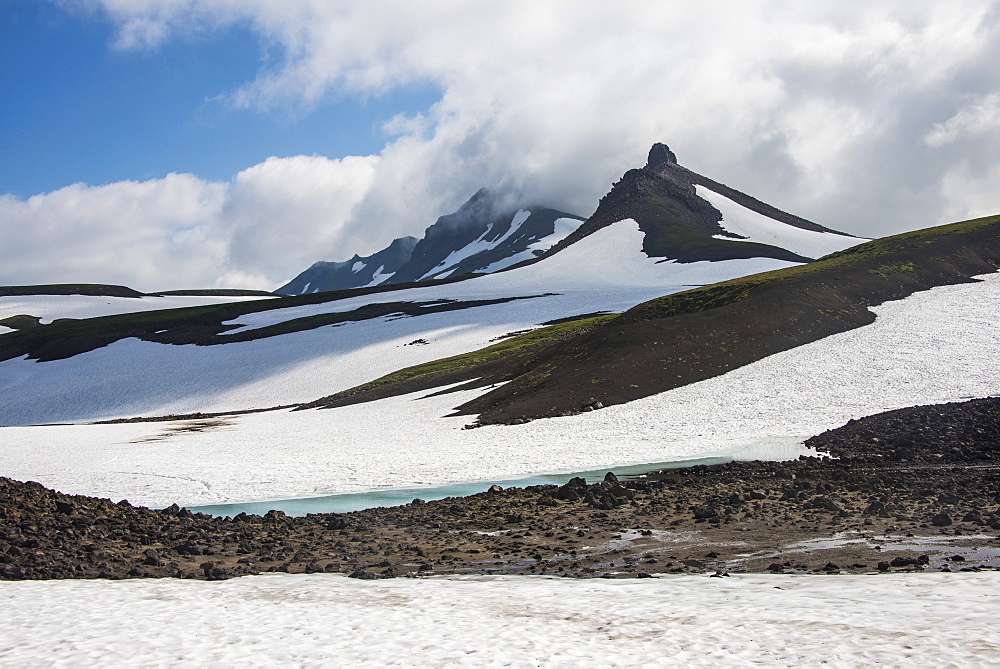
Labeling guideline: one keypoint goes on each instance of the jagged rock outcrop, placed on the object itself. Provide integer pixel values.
(484, 235)
(679, 224)
(354, 273)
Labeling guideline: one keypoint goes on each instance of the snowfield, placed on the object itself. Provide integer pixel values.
(295, 620)
(755, 227)
(50, 307)
(606, 271)
(935, 346)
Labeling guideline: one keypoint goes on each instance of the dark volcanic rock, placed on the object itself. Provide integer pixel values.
(481, 233)
(941, 519)
(679, 224)
(682, 517)
(353, 273)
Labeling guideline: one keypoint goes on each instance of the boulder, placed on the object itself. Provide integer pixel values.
(941, 520)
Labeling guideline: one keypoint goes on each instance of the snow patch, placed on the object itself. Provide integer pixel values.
(312, 619)
(357, 267)
(51, 307)
(458, 255)
(479, 246)
(755, 227)
(378, 277)
(564, 227)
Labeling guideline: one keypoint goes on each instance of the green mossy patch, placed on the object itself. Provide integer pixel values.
(440, 372)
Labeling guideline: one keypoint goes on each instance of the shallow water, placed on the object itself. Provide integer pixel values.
(768, 449)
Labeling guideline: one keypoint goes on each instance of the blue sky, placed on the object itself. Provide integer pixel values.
(74, 108)
(199, 143)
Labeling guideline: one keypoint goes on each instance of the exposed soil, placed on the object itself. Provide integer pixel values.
(914, 489)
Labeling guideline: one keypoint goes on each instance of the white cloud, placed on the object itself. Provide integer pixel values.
(182, 232)
(285, 213)
(971, 193)
(820, 108)
(981, 116)
(138, 233)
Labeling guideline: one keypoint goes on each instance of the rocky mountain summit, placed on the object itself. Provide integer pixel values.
(354, 273)
(679, 211)
(681, 223)
(484, 235)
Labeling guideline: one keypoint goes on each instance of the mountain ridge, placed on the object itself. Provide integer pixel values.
(679, 224)
(481, 236)
(700, 333)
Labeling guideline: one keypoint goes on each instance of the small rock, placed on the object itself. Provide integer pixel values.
(365, 574)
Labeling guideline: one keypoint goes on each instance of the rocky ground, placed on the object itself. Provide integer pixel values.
(914, 489)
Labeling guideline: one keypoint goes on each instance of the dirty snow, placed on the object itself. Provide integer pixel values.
(326, 619)
(755, 227)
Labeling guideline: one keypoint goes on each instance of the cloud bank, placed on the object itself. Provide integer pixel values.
(870, 118)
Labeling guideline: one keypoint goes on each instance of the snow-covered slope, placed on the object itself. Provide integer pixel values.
(50, 307)
(935, 346)
(752, 226)
(525, 621)
(605, 272)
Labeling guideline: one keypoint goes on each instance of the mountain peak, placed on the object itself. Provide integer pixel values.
(682, 223)
(659, 156)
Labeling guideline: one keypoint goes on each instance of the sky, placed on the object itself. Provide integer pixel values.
(232, 143)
